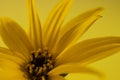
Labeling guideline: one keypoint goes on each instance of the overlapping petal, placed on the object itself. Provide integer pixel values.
(13, 56)
(15, 37)
(90, 50)
(74, 68)
(74, 29)
(56, 40)
(53, 23)
(10, 70)
(6, 51)
(35, 32)
(55, 77)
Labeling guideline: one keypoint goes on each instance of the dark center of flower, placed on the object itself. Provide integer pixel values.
(41, 63)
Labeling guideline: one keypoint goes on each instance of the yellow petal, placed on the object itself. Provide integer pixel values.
(14, 36)
(89, 50)
(75, 68)
(74, 29)
(14, 56)
(35, 32)
(54, 22)
(5, 51)
(10, 71)
(55, 77)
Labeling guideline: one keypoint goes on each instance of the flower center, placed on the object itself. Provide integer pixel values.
(41, 63)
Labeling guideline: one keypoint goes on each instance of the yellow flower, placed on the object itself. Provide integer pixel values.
(54, 50)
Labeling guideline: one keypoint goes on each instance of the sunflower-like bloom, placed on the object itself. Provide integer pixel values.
(52, 51)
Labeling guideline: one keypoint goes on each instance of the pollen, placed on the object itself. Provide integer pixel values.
(41, 63)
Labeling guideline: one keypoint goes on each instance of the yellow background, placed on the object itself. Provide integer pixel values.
(108, 25)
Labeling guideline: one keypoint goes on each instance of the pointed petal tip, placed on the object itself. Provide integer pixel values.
(99, 10)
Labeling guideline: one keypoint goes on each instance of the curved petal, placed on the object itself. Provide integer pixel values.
(74, 68)
(15, 59)
(54, 22)
(74, 29)
(89, 50)
(35, 32)
(10, 70)
(11, 55)
(5, 51)
(14, 36)
(55, 77)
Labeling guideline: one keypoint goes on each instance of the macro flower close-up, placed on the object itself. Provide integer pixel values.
(53, 50)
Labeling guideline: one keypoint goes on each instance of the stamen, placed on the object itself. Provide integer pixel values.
(41, 63)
